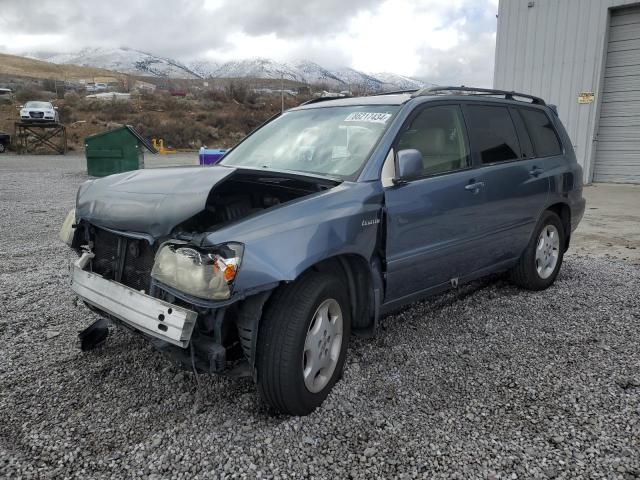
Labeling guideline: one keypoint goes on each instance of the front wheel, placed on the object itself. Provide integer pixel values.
(540, 263)
(302, 342)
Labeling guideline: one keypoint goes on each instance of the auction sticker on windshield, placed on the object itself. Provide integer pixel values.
(371, 117)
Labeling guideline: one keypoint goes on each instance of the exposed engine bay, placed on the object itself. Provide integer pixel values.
(245, 194)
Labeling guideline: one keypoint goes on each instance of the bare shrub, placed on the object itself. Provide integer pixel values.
(71, 99)
(238, 91)
(173, 104)
(215, 95)
(184, 133)
(147, 96)
(49, 85)
(26, 94)
(108, 111)
(65, 114)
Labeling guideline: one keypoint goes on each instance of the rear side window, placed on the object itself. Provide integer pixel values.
(526, 146)
(543, 135)
(492, 133)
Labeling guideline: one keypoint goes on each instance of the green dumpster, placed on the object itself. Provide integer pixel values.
(115, 151)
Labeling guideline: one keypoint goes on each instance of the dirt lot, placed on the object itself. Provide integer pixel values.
(485, 382)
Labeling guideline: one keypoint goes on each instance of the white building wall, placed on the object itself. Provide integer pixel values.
(556, 49)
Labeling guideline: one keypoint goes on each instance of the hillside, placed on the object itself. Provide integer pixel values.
(12, 65)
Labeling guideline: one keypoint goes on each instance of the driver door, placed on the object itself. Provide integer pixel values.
(432, 218)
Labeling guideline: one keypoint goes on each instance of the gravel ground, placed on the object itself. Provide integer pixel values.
(487, 382)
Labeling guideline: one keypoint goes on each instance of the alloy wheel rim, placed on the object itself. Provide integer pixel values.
(322, 345)
(547, 251)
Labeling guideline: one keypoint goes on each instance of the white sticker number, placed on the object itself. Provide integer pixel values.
(371, 117)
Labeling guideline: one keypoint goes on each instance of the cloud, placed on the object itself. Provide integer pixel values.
(442, 41)
(296, 18)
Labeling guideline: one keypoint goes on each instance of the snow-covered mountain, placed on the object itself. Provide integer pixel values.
(204, 68)
(259, 68)
(135, 62)
(399, 81)
(315, 74)
(355, 80)
(123, 60)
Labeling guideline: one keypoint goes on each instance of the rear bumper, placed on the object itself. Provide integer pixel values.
(577, 212)
(147, 314)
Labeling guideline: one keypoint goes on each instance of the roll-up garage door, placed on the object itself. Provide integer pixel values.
(618, 150)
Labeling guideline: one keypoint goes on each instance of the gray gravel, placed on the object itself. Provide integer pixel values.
(487, 382)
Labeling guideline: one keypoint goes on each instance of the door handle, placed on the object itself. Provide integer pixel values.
(535, 171)
(474, 187)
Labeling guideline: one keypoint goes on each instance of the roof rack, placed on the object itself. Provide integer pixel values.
(477, 91)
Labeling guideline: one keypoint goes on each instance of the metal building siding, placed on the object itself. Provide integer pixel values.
(556, 50)
(618, 148)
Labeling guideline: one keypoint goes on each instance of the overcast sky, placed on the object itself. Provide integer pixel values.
(442, 41)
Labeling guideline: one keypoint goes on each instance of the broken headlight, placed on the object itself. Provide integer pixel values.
(207, 274)
(67, 230)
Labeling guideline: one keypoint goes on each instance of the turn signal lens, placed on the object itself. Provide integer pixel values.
(230, 273)
(67, 231)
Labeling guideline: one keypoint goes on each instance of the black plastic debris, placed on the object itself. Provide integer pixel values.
(94, 335)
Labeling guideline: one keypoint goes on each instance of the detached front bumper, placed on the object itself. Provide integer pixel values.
(147, 314)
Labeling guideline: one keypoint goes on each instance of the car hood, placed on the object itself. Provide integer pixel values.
(150, 202)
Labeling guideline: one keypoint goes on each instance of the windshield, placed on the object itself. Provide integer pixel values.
(333, 141)
(38, 105)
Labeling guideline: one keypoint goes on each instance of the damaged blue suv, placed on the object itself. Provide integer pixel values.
(322, 220)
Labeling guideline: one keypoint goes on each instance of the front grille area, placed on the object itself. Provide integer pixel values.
(36, 114)
(125, 260)
(105, 249)
(139, 262)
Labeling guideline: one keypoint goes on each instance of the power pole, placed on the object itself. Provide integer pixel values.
(281, 92)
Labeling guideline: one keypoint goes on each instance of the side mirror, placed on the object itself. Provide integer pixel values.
(408, 165)
(55, 108)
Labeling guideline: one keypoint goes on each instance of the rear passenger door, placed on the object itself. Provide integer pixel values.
(515, 185)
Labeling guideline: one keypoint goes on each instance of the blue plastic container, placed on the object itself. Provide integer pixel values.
(210, 156)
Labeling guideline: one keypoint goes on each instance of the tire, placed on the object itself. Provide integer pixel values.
(537, 269)
(2, 148)
(285, 360)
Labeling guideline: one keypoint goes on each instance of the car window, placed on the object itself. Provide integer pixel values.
(38, 105)
(335, 141)
(492, 133)
(523, 135)
(544, 137)
(438, 134)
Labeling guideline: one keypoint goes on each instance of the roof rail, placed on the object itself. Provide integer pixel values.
(396, 92)
(322, 99)
(477, 91)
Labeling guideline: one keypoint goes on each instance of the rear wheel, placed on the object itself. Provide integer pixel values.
(540, 263)
(1, 147)
(302, 343)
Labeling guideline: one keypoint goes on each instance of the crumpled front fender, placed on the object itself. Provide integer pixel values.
(283, 242)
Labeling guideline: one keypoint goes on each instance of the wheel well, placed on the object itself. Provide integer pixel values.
(564, 212)
(353, 269)
(356, 273)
